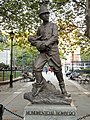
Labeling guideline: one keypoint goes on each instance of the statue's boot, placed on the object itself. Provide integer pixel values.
(63, 90)
(62, 84)
(39, 85)
(37, 88)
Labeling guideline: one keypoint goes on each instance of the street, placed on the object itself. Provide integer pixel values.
(12, 98)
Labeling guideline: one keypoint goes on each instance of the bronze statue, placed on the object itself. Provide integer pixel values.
(46, 42)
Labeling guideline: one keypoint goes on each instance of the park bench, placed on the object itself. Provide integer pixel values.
(27, 77)
(84, 78)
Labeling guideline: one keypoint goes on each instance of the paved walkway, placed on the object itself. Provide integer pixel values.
(12, 98)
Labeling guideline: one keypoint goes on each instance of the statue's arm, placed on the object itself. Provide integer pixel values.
(54, 37)
(34, 40)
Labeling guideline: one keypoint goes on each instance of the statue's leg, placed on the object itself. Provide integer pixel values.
(40, 80)
(59, 76)
(56, 63)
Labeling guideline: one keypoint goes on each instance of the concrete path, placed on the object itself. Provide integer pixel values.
(12, 98)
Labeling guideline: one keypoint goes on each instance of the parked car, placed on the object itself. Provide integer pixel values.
(68, 73)
(74, 75)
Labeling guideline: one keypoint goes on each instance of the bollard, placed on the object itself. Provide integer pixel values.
(1, 111)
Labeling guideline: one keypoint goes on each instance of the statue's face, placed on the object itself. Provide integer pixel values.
(45, 17)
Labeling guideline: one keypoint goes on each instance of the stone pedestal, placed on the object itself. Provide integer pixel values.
(50, 112)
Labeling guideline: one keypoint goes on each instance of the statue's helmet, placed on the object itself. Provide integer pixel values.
(43, 9)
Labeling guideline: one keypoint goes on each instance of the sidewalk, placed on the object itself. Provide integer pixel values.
(7, 81)
(12, 98)
(80, 95)
(16, 86)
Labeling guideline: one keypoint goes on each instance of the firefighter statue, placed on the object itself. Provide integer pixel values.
(46, 41)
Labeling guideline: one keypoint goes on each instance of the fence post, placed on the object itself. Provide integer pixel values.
(3, 75)
(1, 111)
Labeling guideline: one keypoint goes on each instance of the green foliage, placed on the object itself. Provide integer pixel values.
(68, 36)
(3, 66)
(19, 14)
(22, 16)
(85, 56)
(85, 48)
(25, 57)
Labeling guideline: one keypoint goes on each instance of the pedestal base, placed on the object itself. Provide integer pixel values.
(50, 112)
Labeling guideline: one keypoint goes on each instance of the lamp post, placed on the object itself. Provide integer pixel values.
(11, 55)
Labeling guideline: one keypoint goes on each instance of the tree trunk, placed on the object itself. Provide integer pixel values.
(88, 18)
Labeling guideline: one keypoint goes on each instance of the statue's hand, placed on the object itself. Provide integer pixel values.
(31, 38)
(38, 37)
(41, 46)
(34, 38)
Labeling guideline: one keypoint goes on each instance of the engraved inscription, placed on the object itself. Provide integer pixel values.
(55, 113)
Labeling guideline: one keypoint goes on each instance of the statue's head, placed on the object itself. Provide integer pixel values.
(43, 9)
(44, 13)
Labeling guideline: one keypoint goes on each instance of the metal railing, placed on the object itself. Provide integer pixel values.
(5, 74)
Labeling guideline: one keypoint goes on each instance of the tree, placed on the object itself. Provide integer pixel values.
(88, 18)
(68, 37)
(18, 14)
(22, 16)
(25, 57)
